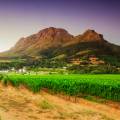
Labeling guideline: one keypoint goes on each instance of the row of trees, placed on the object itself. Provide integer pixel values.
(94, 69)
(47, 63)
(33, 64)
(9, 65)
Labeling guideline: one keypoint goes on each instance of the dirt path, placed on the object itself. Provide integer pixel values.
(20, 104)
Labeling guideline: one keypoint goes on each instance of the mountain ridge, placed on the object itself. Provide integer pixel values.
(50, 42)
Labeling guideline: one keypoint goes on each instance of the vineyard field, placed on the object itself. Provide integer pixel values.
(103, 86)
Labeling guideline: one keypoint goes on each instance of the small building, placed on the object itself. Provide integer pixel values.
(95, 61)
(22, 70)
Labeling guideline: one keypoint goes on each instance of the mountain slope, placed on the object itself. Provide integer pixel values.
(47, 38)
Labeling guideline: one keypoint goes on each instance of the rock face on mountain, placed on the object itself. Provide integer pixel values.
(52, 42)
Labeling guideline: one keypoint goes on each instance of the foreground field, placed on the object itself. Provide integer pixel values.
(103, 86)
(21, 104)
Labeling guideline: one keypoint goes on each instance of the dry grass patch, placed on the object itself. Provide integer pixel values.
(46, 105)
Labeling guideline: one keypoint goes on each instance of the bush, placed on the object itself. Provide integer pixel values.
(1, 76)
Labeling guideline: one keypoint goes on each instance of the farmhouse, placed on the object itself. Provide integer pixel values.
(95, 61)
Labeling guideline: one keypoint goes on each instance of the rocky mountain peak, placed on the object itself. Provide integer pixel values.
(51, 31)
(92, 35)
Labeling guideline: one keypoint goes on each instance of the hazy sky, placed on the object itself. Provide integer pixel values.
(20, 18)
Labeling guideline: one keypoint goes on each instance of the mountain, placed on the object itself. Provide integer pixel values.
(57, 43)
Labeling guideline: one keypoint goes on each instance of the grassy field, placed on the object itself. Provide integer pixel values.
(103, 86)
